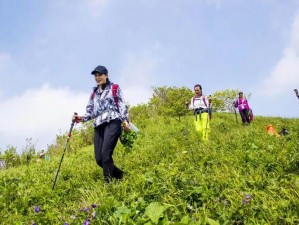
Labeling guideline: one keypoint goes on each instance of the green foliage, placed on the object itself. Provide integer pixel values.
(127, 139)
(241, 176)
(223, 100)
(170, 101)
(154, 211)
(11, 157)
(28, 152)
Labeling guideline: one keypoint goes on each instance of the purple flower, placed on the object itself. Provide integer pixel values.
(86, 222)
(36, 209)
(93, 205)
(244, 202)
(87, 209)
(66, 223)
(34, 223)
(248, 196)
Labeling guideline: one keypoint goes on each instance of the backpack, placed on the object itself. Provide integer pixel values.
(114, 89)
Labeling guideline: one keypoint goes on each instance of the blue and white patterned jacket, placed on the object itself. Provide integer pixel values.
(102, 107)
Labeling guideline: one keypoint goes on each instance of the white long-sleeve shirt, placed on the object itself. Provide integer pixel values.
(198, 102)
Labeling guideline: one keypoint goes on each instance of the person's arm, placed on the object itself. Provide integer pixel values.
(123, 109)
(235, 103)
(187, 103)
(89, 114)
(191, 105)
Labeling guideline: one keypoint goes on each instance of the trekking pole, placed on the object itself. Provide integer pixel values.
(208, 117)
(236, 115)
(187, 107)
(66, 143)
(207, 123)
(235, 112)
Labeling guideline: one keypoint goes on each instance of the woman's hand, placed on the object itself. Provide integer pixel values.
(77, 118)
(126, 126)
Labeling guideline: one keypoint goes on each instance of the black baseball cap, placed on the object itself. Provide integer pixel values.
(100, 70)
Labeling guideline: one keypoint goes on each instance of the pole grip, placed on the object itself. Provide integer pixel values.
(72, 125)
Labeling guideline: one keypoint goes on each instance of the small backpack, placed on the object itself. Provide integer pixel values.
(250, 114)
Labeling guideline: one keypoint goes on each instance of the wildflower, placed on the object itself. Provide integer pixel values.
(34, 223)
(36, 209)
(66, 223)
(87, 209)
(244, 202)
(93, 205)
(86, 222)
(93, 214)
(73, 216)
(248, 197)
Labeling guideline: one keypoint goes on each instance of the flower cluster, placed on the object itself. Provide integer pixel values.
(91, 214)
(246, 199)
(90, 211)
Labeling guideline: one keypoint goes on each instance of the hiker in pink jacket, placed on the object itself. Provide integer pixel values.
(242, 104)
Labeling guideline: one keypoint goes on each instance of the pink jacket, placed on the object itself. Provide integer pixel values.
(242, 103)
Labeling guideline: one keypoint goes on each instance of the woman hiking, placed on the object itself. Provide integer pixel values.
(200, 105)
(109, 111)
(242, 104)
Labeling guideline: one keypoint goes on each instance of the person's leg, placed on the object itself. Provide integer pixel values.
(198, 125)
(205, 125)
(246, 112)
(243, 116)
(111, 134)
(98, 143)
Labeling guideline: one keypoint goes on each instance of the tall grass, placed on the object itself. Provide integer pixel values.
(241, 175)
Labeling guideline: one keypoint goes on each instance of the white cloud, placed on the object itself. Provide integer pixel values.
(285, 74)
(38, 114)
(96, 6)
(138, 75)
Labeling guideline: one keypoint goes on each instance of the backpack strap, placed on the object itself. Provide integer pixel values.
(204, 100)
(114, 94)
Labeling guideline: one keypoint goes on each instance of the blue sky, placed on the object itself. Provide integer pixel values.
(49, 48)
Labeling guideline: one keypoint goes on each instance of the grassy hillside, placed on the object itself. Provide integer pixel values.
(241, 176)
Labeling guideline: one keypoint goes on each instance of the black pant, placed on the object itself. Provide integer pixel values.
(105, 140)
(244, 116)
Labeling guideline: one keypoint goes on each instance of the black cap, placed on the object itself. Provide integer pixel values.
(100, 70)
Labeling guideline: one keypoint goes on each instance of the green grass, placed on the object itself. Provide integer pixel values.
(171, 178)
